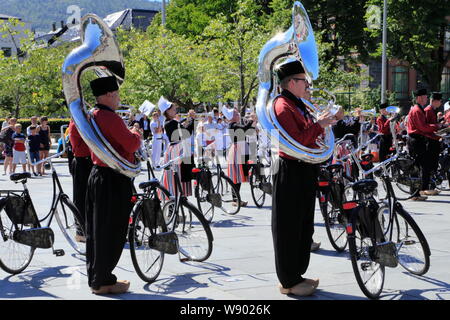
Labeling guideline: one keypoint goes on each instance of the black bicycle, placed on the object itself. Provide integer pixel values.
(156, 230)
(21, 230)
(260, 180)
(382, 234)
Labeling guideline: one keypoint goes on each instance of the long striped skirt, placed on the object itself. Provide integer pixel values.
(235, 161)
(168, 178)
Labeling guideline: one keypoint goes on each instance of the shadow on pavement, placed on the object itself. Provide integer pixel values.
(28, 283)
(442, 292)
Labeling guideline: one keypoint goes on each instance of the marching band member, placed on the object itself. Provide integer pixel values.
(433, 145)
(108, 195)
(418, 132)
(447, 112)
(81, 167)
(294, 184)
(180, 145)
(237, 166)
(157, 139)
(383, 124)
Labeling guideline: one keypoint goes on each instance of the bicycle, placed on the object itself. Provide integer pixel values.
(260, 181)
(155, 230)
(21, 230)
(223, 185)
(382, 236)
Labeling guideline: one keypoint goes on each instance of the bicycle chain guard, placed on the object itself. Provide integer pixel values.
(42, 238)
(385, 254)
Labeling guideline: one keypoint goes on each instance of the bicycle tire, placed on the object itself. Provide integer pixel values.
(359, 256)
(148, 265)
(14, 257)
(411, 238)
(69, 222)
(195, 239)
(205, 206)
(231, 199)
(255, 185)
(336, 231)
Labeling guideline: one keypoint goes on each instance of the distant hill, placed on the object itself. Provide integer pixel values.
(42, 13)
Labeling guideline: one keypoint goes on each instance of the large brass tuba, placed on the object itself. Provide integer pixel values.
(297, 43)
(99, 51)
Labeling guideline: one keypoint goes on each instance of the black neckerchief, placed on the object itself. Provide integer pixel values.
(298, 102)
(103, 107)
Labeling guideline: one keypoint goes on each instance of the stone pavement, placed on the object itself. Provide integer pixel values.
(241, 266)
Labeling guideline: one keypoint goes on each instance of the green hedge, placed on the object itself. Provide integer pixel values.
(55, 124)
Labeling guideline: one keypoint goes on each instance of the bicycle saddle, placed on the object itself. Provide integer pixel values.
(367, 156)
(365, 186)
(20, 176)
(151, 183)
(334, 166)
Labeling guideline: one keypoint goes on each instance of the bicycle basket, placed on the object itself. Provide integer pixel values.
(20, 211)
(152, 215)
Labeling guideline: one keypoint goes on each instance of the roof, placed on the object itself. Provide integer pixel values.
(6, 17)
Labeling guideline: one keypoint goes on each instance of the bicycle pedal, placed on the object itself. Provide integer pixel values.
(59, 252)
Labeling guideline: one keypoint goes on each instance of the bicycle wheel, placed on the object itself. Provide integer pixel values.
(256, 180)
(368, 274)
(194, 234)
(68, 219)
(334, 225)
(231, 200)
(14, 257)
(412, 248)
(407, 185)
(204, 204)
(147, 262)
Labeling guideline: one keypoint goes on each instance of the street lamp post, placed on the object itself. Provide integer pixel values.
(384, 62)
(163, 12)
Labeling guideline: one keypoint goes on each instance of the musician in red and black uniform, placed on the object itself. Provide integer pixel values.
(294, 184)
(418, 133)
(384, 129)
(434, 145)
(108, 196)
(80, 168)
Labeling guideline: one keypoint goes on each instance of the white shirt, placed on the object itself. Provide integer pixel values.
(153, 127)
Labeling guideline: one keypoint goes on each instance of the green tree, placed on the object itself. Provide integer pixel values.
(417, 34)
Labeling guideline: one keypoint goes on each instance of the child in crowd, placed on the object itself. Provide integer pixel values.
(33, 148)
(19, 154)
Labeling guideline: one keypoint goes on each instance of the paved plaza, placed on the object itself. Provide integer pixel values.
(241, 266)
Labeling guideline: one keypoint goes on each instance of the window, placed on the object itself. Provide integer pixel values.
(400, 82)
(7, 51)
(445, 82)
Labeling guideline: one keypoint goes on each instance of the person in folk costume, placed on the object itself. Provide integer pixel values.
(433, 145)
(81, 167)
(447, 112)
(108, 205)
(384, 123)
(157, 139)
(180, 145)
(418, 133)
(165, 139)
(237, 165)
(295, 183)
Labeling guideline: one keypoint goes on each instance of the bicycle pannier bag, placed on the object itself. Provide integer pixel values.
(20, 211)
(152, 216)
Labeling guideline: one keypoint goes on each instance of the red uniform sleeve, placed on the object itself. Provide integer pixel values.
(303, 130)
(79, 147)
(417, 123)
(383, 125)
(430, 115)
(116, 128)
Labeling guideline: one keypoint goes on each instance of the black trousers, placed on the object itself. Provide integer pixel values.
(417, 145)
(81, 169)
(385, 145)
(293, 204)
(433, 151)
(108, 208)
